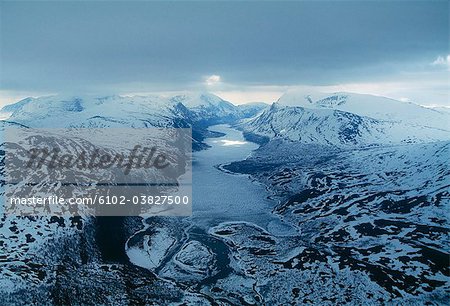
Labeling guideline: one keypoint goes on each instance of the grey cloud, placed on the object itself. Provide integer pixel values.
(170, 45)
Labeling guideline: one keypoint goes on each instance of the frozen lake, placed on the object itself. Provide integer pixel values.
(218, 197)
(223, 197)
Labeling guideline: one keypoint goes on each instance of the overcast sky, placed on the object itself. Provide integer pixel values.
(241, 50)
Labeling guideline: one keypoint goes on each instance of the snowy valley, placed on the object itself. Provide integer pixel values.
(359, 185)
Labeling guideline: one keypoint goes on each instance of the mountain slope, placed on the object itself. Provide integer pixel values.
(11, 108)
(208, 108)
(375, 107)
(198, 111)
(337, 128)
(380, 213)
(89, 111)
(132, 111)
(251, 109)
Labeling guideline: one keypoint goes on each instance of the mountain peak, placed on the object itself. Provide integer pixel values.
(197, 99)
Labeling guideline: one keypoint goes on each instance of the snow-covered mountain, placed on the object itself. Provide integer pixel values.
(131, 111)
(374, 216)
(365, 179)
(339, 120)
(375, 107)
(11, 108)
(90, 111)
(195, 110)
(251, 109)
(442, 109)
(208, 108)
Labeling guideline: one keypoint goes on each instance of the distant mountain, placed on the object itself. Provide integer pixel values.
(442, 109)
(133, 111)
(89, 111)
(339, 120)
(9, 109)
(208, 108)
(251, 109)
(195, 110)
(375, 107)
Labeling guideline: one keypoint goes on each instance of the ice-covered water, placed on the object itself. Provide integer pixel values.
(218, 197)
(222, 197)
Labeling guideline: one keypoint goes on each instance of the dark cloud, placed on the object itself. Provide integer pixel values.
(53, 46)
